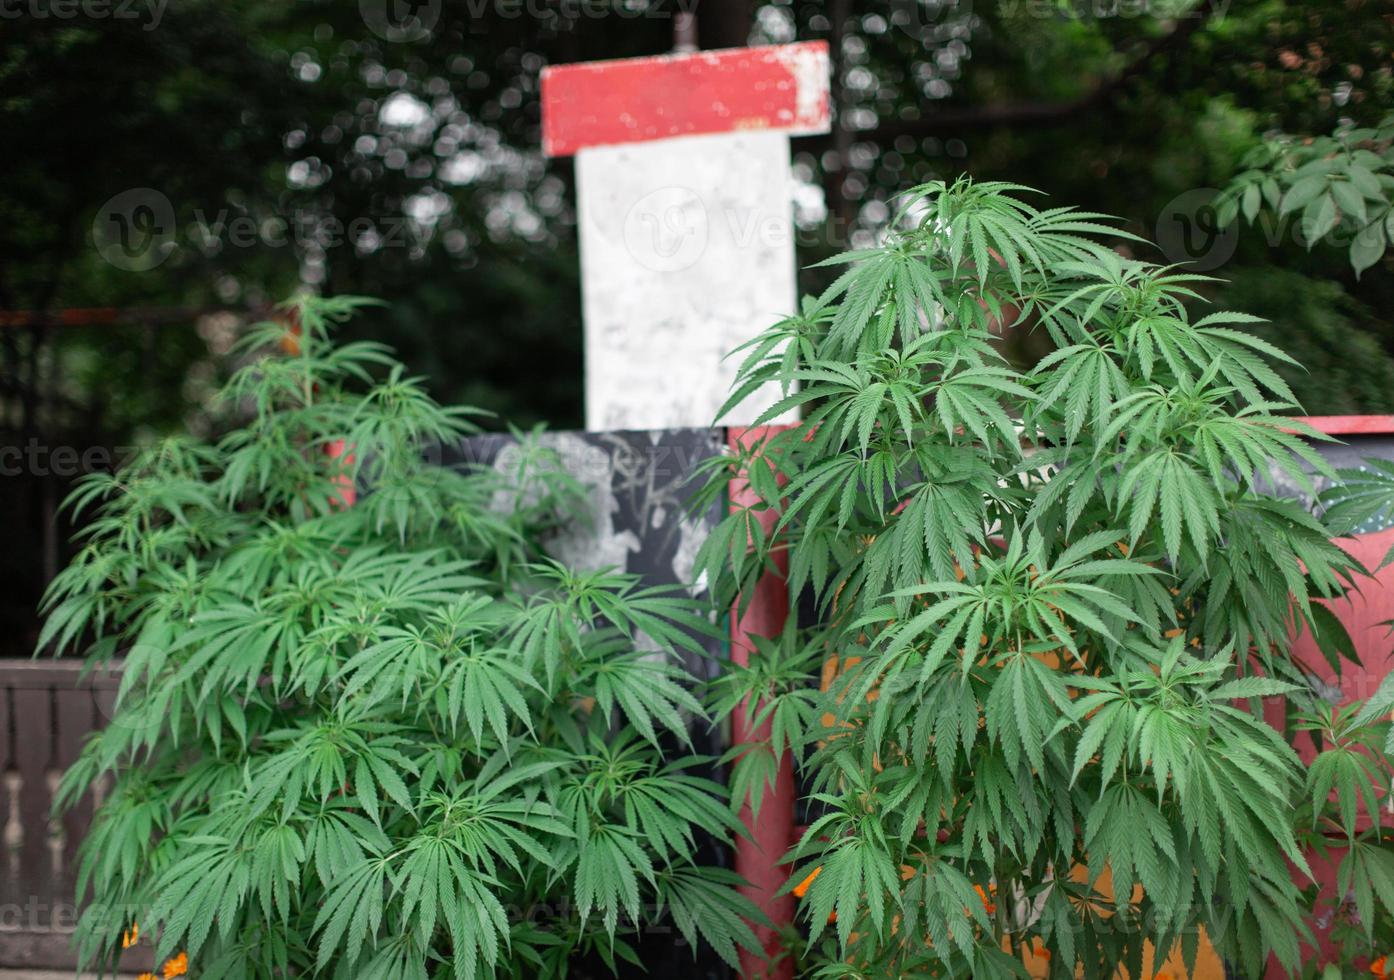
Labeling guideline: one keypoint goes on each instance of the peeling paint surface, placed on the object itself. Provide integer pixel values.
(782, 88)
(687, 251)
(636, 489)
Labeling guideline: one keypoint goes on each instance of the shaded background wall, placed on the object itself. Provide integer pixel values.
(180, 165)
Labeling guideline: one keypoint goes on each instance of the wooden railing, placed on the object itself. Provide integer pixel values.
(46, 709)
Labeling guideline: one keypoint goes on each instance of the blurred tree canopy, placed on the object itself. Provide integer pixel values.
(391, 147)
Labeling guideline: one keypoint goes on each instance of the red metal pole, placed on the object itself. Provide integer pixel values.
(348, 493)
(1364, 613)
(757, 859)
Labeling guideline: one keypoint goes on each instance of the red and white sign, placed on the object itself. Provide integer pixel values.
(685, 219)
(782, 88)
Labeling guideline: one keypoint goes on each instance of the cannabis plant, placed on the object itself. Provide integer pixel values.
(1343, 820)
(1044, 604)
(1341, 824)
(382, 737)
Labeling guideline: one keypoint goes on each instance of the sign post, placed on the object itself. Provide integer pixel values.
(687, 251)
(685, 218)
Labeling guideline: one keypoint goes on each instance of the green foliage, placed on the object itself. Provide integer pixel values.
(1362, 496)
(379, 740)
(1052, 601)
(1343, 824)
(1338, 342)
(1339, 186)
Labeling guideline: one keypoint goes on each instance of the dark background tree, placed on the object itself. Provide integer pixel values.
(335, 146)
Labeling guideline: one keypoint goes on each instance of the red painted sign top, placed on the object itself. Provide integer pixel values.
(783, 88)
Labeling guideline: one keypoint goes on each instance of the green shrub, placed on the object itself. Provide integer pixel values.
(1056, 598)
(1336, 188)
(380, 740)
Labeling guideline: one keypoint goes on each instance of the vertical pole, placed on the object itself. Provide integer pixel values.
(684, 32)
(348, 493)
(338, 449)
(757, 859)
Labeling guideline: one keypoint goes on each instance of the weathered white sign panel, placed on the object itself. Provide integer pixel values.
(685, 214)
(686, 252)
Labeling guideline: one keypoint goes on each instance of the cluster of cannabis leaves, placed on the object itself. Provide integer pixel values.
(386, 740)
(1043, 597)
